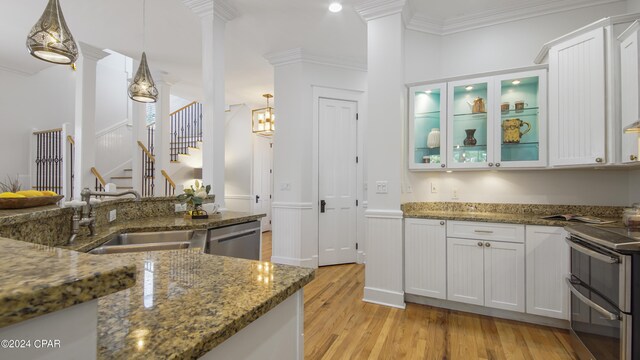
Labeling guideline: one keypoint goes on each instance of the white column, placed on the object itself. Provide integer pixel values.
(162, 135)
(85, 116)
(214, 15)
(385, 59)
(138, 118)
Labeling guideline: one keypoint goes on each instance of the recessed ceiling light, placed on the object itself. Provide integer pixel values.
(469, 88)
(516, 82)
(335, 7)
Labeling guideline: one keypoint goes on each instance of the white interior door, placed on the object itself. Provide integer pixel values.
(337, 182)
(262, 176)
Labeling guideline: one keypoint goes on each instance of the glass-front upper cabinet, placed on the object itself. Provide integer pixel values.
(470, 111)
(520, 127)
(427, 126)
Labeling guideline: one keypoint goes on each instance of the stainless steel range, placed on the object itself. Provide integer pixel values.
(605, 292)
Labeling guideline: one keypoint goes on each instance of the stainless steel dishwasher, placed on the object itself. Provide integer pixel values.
(241, 241)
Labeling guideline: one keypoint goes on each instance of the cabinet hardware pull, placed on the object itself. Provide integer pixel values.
(442, 165)
(633, 157)
(490, 164)
(441, 222)
(609, 315)
(483, 231)
(480, 243)
(497, 164)
(487, 244)
(598, 160)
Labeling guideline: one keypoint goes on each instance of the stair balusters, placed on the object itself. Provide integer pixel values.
(186, 129)
(49, 150)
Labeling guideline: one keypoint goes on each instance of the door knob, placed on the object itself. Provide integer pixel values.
(633, 157)
(322, 205)
(257, 198)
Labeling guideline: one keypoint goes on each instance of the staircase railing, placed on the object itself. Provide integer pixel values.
(148, 169)
(48, 160)
(72, 175)
(185, 129)
(169, 184)
(151, 129)
(100, 183)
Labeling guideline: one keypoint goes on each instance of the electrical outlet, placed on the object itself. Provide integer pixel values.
(454, 194)
(285, 186)
(181, 207)
(434, 188)
(112, 215)
(381, 187)
(409, 189)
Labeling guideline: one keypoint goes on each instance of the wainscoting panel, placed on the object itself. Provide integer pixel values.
(385, 265)
(287, 228)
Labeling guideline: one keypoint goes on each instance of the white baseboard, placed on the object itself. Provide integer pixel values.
(308, 263)
(384, 297)
(481, 310)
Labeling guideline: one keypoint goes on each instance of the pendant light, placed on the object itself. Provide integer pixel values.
(143, 88)
(50, 39)
(263, 120)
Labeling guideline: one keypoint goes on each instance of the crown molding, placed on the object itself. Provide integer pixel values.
(223, 9)
(375, 9)
(91, 52)
(521, 11)
(608, 21)
(15, 71)
(297, 55)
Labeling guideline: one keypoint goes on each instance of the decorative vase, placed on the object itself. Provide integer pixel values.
(470, 140)
(433, 140)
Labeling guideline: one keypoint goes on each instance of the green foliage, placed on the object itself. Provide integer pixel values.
(195, 196)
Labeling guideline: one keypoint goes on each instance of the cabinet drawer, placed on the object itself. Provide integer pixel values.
(486, 231)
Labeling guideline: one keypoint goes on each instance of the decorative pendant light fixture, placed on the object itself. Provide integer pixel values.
(50, 39)
(143, 88)
(263, 120)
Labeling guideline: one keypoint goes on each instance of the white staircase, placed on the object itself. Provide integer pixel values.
(123, 180)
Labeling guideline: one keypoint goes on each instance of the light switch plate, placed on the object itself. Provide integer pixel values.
(285, 186)
(381, 187)
(112, 215)
(434, 188)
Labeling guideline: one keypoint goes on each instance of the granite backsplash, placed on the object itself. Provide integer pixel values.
(535, 209)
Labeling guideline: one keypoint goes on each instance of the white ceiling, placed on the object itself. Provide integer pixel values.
(174, 40)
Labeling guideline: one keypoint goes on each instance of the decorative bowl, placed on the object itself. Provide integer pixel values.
(23, 203)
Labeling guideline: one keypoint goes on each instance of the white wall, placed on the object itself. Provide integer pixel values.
(238, 156)
(176, 102)
(499, 47)
(112, 99)
(633, 6)
(42, 101)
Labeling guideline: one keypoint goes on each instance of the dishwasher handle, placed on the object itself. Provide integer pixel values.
(234, 235)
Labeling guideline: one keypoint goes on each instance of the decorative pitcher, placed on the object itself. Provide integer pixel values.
(511, 133)
(477, 106)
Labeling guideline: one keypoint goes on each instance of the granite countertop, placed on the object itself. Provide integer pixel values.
(37, 279)
(510, 218)
(165, 223)
(185, 303)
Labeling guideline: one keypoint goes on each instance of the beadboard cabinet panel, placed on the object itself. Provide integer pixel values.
(465, 271)
(547, 262)
(504, 276)
(425, 247)
(629, 83)
(577, 95)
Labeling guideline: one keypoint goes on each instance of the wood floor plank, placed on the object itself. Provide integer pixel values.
(339, 325)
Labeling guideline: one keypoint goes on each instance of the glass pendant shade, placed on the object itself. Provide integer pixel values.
(50, 39)
(143, 88)
(264, 119)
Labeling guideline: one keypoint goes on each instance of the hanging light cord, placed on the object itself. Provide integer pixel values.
(144, 24)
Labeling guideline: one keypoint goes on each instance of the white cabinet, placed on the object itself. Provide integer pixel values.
(577, 118)
(425, 246)
(504, 276)
(547, 260)
(630, 92)
(465, 271)
(428, 126)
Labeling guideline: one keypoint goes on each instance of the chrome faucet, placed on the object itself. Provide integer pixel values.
(88, 217)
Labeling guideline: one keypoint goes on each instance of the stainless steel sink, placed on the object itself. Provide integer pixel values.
(154, 241)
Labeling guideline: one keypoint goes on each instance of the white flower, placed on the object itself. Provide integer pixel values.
(201, 193)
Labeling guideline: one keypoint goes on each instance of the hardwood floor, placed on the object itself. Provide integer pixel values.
(339, 325)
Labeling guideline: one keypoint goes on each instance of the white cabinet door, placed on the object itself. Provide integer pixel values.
(428, 127)
(577, 101)
(629, 81)
(425, 246)
(504, 276)
(547, 259)
(465, 271)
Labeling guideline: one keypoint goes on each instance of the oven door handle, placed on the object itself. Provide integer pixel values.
(591, 253)
(609, 315)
